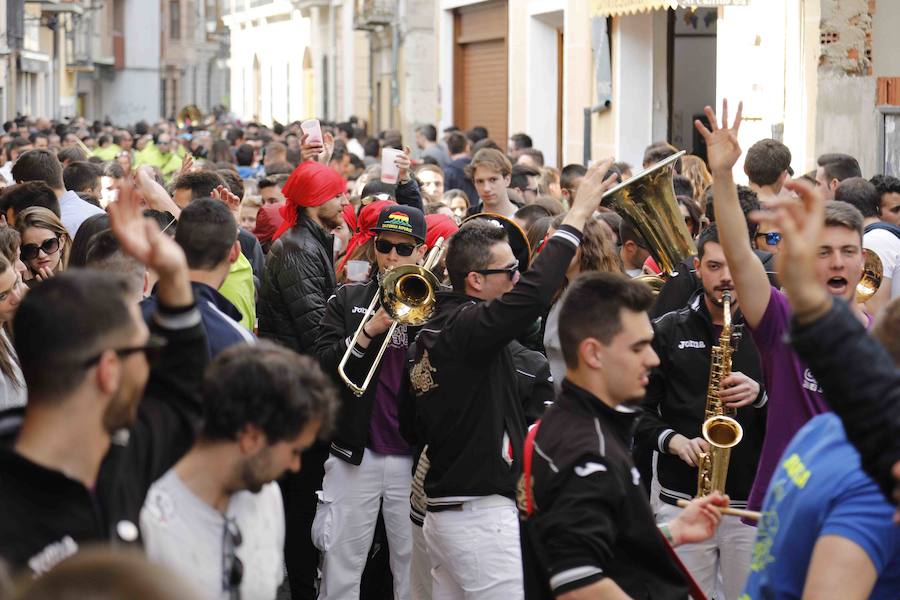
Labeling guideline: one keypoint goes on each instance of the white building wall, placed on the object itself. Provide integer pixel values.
(279, 47)
(134, 93)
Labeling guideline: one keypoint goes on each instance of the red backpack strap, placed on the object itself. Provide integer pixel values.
(526, 467)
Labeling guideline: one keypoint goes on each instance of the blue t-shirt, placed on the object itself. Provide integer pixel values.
(819, 488)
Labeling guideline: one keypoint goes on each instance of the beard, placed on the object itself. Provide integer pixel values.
(256, 472)
(121, 412)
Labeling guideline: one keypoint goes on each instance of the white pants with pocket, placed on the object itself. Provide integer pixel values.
(721, 564)
(346, 516)
(475, 552)
(419, 567)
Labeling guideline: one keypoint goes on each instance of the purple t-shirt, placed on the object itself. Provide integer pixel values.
(384, 426)
(794, 395)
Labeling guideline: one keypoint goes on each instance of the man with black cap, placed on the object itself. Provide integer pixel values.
(370, 466)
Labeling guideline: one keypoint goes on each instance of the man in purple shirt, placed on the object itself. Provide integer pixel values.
(370, 466)
(794, 395)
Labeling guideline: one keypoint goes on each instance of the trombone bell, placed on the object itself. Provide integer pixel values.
(873, 274)
(408, 295)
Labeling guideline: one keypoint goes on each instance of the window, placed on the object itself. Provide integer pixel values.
(175, 19)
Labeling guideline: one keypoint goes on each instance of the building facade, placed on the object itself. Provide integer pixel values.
(194, 53)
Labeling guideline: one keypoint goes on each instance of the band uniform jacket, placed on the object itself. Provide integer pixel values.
(676, 400)
(463, 377)
(343, 314)
(46, 516)
(591, 516)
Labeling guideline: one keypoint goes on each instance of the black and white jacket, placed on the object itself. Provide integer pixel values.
(676, 400)
(468, 409)
(591, 516)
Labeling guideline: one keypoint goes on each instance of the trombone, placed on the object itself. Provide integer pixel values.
(407, 294)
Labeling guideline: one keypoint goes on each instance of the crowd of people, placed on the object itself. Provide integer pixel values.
(214, 383)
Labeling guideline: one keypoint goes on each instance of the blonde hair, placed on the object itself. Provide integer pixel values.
(44, 218)
(695, 169)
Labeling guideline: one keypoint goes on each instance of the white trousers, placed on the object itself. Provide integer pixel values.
(720, 565)
(419, 566)
(346, 516)
(475, 551)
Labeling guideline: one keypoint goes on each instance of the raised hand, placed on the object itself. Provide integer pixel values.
(590, 194)
(722, 147)
(153, 194)
(223, 194)
(187, 163)
(310, 150)
(403, 163)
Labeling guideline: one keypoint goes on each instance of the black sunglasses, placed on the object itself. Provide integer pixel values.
(510, 270)
(772, 237)
(385, 247)
(152, 349)
(31, 251)
(232, 565)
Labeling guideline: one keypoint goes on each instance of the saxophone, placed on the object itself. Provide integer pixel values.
(720, 429)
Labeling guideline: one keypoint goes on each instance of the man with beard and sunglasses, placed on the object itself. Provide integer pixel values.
(103, 421)
(370, 466)
(674, 410)
(217, 516)
(794, 394)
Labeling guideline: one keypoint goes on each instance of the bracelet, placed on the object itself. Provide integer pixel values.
(664, 529)
(368, 337)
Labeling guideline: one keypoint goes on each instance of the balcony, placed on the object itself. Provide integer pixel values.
(371, 14)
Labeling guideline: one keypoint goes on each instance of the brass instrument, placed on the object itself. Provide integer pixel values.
(873, 274)
(647, 201)
(189, 115)
(720, 429)
(407, 294)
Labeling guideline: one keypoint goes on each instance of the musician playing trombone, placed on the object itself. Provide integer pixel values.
(370, 466)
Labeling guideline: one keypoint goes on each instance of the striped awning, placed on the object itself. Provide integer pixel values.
(627, 7)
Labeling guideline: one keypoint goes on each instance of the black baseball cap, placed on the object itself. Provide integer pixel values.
(402, 219)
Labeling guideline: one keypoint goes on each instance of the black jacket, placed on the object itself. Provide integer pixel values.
(298, 280)
(676, 401)
(592, 519)
(252, 251)
(455, 178)
(45, 516)
(861, 384)
(467, 407)
(679, 288)
(343, 313)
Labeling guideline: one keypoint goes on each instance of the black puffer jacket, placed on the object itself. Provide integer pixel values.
(298, 280)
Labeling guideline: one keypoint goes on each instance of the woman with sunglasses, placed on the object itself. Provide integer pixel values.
(597, 252)
(12, 385)
(370, 465)
(45, 244)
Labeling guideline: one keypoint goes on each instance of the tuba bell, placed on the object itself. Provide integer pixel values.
(647, 201)
(188, 116)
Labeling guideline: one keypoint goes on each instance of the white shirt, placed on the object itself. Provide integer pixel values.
(74, 211)
(354, 147)
(887, 246)
(186, 534)
(552, 346)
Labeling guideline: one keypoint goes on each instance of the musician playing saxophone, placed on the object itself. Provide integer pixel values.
(675, 408)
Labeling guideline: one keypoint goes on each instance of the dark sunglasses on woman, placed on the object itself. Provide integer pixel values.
(31, 251)
(384, 247)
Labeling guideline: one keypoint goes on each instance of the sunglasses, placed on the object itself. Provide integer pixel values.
(510, 270)
(385, 247)
(31, 251)
(772, 237)
(152, 350)
(232, 565)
